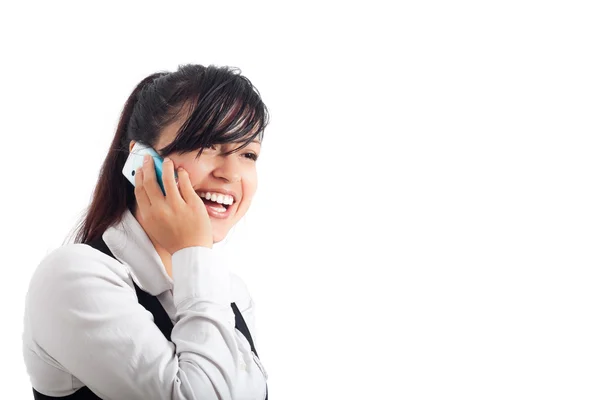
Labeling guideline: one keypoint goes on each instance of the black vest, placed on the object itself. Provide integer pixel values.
(161, 319)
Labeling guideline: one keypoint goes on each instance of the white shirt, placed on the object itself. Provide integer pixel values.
(85, 327)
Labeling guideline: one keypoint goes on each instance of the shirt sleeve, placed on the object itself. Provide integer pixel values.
(85, 315)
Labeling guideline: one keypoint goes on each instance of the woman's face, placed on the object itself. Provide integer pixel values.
(216, 173)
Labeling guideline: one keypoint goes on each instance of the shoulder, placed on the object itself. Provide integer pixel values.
(74, 275)
(76, 262)
(75, 287)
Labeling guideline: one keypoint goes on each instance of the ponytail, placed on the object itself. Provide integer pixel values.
(113, 193)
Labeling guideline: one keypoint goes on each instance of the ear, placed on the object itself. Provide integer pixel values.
(131, 144)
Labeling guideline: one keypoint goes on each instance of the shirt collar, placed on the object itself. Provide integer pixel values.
(130, 244)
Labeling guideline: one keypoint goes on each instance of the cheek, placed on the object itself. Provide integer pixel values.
(249, 185)
(197, 170)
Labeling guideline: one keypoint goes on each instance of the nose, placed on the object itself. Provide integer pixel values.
(227, 169)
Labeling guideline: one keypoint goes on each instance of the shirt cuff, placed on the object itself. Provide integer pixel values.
(198, 274)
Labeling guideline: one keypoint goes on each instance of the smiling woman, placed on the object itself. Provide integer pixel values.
(139, 307)
(225, 163)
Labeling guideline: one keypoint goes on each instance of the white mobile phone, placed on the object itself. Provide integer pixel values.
(136, 159)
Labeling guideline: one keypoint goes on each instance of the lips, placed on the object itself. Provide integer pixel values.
(217, 210)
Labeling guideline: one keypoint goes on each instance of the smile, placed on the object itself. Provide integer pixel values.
(217, 205)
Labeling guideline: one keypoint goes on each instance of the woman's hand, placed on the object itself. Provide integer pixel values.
(175, 221)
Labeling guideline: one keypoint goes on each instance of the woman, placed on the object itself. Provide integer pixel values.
(139, 307)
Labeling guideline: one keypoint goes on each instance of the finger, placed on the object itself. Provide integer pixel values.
(169, 183)
(139, 191)
(150, 183)
(185, 186)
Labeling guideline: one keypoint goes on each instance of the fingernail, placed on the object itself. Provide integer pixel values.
(146, 158)
(167, 159)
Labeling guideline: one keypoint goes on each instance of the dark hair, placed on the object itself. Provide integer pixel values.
(221, 106)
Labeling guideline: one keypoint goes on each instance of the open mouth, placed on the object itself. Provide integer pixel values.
(216, 203)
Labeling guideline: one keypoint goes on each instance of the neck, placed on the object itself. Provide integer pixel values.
(163, 254)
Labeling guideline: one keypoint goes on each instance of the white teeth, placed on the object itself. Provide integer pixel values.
(217, 197)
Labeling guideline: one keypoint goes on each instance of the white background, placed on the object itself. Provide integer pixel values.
(427, 220)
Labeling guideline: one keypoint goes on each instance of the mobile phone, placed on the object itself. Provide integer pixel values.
(136, 159)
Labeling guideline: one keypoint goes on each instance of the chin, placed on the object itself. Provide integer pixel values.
(219, 236)
(221, 229)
